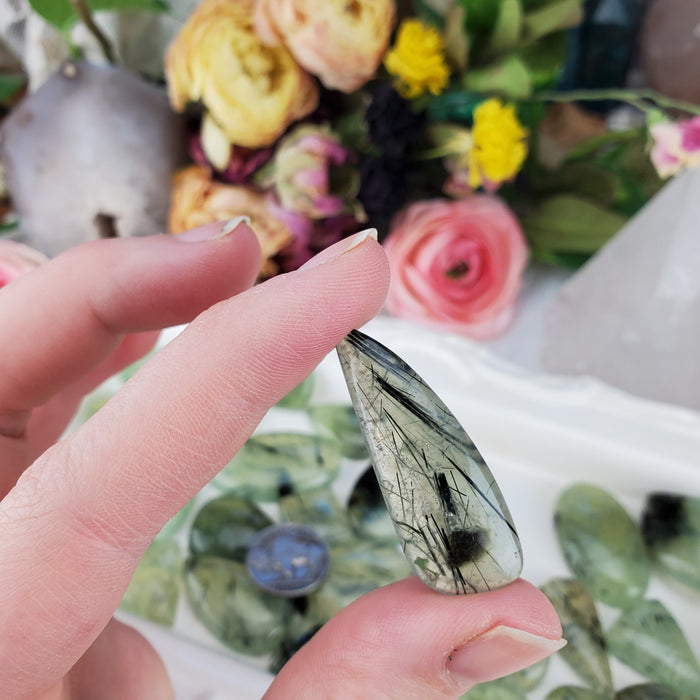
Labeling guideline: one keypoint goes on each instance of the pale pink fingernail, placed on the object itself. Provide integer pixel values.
(497, 653)
(210, 232)
(340, 248)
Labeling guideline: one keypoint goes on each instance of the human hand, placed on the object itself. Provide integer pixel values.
(84, 510)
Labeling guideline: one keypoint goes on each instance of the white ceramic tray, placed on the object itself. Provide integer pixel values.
(538, 433)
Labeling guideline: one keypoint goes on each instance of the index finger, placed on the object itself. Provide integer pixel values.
(80, 517)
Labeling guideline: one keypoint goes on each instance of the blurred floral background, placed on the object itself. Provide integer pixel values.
(475, 135)
(483, 139)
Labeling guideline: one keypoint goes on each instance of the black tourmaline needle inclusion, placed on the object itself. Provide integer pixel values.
(449, 514)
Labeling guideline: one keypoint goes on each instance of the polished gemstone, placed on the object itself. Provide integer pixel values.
(288, 560)
(321, 510)
(629, 316)
(154, 588)
(671, 529)
(648, 639)
(225, 527)
(342, 423)
(233, 608)
(299, 396)
(494, 690)
(651, 691)
(585, 651)
(272, 464)
(356, 568)
(573, 692)
(449, 514)
(367, 510)
(602, 545)
(512, 687)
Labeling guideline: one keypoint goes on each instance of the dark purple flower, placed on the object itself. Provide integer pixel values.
(383, 189)
(391, 122)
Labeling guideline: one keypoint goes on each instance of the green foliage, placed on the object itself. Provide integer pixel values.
(62, 13)
(566, 224)
(9, 85)
(508, 77)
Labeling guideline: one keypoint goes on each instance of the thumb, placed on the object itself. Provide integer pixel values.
(406, 641)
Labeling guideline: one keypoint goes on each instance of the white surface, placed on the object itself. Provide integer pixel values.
(538, 433)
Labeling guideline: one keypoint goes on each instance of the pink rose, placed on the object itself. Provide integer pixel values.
(456, 265)
(342, 43)
(16, 259)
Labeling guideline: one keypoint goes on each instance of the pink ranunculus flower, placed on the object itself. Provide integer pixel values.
(456, 265)
(310, 173)
(340, 42)
(690, 141)
(676, 146)
(16, 259)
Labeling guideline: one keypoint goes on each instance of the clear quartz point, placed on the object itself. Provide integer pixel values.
(449, 514)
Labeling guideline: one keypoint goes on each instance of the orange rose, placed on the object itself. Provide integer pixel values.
(341, 42)
(251, 91)
(198, 200)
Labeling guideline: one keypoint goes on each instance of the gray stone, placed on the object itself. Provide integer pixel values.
(91, 155)
(629, 316)
(449, 514)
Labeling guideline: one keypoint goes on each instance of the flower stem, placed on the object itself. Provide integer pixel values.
(83, 11)
(636, 98)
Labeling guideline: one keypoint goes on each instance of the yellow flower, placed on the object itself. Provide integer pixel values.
(251, 91)
(498, 145)
(418, 60)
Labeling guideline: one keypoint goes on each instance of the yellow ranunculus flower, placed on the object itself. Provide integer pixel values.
(499, 145)
(417, 59)
(252, 91)
(339, 41)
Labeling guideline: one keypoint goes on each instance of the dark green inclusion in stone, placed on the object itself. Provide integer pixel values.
(671, 529)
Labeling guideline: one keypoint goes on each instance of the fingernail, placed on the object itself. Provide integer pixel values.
(210, 232)
(340, 248)
(497, 653)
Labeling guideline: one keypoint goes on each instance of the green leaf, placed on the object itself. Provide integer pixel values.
(545, 60)
(457, 45)
(455, 106)
(568, 261)
(509, 77)
(567, 223)
(428, 14)
(557, 15)
(9, 84)
(481, 15)
(62, 14)
(506, 31)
